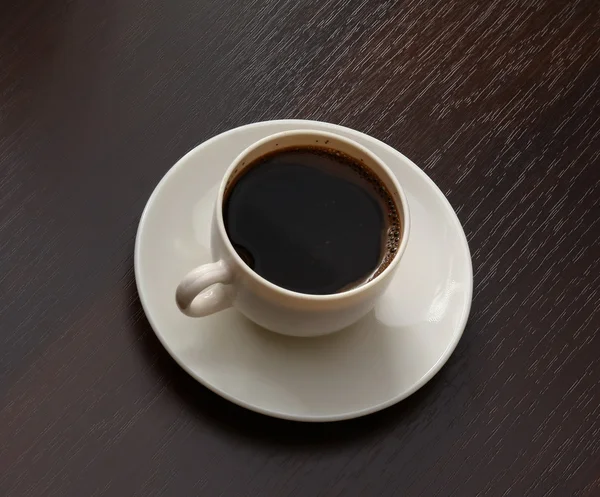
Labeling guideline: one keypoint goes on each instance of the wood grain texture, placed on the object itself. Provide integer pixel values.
(498, 101)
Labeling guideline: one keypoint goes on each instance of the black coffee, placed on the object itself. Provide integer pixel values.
(311, 220)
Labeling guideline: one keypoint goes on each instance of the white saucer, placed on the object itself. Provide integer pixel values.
(375, 363)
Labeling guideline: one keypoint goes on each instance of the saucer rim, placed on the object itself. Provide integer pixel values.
(435, 368)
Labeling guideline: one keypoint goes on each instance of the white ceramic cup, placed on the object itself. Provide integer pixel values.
(229, 282)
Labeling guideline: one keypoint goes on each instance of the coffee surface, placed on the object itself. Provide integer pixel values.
(311, 220)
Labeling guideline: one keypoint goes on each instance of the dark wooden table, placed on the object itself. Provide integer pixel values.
(498, 101)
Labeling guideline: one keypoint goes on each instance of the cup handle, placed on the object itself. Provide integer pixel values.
(193, 295)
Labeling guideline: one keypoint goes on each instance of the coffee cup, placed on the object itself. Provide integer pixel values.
(230, 281)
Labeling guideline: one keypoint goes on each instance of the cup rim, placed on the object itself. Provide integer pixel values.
(330, 297)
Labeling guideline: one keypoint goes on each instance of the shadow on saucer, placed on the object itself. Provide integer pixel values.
(240, 423)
